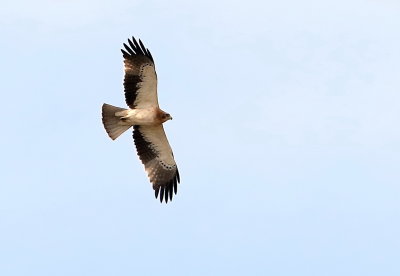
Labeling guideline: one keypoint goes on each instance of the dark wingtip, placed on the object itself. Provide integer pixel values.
(131, 52)
(132, 45)
(136, 48)
(177, 176)
(162, 194)
(175, 186)
(166, 195)
(150, 56)
(168, 189)
(133, 39)
(171, 190)
(142, 47)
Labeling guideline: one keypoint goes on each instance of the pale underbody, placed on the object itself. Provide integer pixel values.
(150, 116)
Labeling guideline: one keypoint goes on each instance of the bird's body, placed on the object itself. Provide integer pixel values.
(149, 116)
(146, 117)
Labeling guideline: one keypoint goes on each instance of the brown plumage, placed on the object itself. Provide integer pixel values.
(144, 114)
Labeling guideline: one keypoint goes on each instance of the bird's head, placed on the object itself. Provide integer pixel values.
(165, 117)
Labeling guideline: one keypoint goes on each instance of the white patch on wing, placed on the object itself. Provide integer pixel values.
(156, 136)
(147, 93)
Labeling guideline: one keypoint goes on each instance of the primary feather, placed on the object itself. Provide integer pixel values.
(144, 114)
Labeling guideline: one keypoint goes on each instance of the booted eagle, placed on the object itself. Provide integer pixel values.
(146, 118)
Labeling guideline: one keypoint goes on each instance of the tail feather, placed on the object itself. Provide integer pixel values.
(112, 122)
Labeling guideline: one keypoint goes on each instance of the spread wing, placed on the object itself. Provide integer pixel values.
(140, 82)
(156, 154)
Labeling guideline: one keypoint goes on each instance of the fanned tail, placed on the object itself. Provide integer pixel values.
(112, 123)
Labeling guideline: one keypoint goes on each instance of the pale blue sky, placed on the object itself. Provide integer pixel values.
(286, 133)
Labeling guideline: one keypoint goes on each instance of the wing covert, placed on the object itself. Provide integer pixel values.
(140, 81)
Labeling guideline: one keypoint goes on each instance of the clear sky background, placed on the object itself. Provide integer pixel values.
(286, 133)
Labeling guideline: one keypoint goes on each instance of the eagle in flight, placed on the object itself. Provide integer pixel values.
(146, 118)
